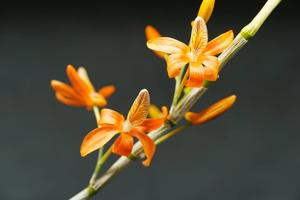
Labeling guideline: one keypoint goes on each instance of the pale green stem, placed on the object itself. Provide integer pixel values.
(171, 133)
(241, 39)
(177, 85)
(100, 152)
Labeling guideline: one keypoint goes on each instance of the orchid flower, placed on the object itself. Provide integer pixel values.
(136, 125)
(81, 92)
(199, 54)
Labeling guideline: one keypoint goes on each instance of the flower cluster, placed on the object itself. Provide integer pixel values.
(197, 60)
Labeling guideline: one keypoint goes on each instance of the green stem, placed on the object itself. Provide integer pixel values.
(171, 133)
(99, 162)
(251, 29)
(179, 89)
(177, 85)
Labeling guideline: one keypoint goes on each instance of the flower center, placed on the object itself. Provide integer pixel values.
(127, 126)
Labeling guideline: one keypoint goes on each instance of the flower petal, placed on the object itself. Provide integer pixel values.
(64, 90)
(123, 145)
(84, 76)
(219, 44)
(139, 109)
(211, 112)
(152, 33)
(206, 9)
(196, 74)
(167, 45)
(210, 68)
(175, 62)
(97, 138)
(68, 101)
(78, 84)
(107, 91)
(97, 99)
(147, 143)
(199, 35)
(108, 116)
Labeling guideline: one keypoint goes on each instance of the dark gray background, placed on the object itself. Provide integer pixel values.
(252, 152)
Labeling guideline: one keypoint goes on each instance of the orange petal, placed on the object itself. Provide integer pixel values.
(196, 75)
(109, 116)
(139, 109)
(148, 145)
(97, 99)
(152, 33)
(78, 84)
(84, 76)
(206, 9)
(64, 90)
(167, 45)
(175, 62)
(210, 68)
(107, 91)
(219, 44)
(199, 35)
(151, 124)
(211, 112)
(123, 145)
(69, 101)
(97, 138)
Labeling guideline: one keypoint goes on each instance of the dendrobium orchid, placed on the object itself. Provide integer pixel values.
(199, 54)
(136, 125)
(81, 93)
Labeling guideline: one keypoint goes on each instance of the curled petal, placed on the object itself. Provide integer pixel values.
(97, 138)
(210, 68)
(123, 145)
(167, 45)
(108, 116)
(85, 77)
(147, 143)
(196, 74)
(206, 9)
(64, 90)
(107, 91)
(219, 44)
(211, 112)
(175, 62)
(152, 33)
(139, 109)
(199, 36)
(78, 84)
(68, 101)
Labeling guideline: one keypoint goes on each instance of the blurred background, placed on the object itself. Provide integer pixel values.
(251, 152)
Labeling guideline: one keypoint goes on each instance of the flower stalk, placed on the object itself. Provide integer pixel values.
(99, 162)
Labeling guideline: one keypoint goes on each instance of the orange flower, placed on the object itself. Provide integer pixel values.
(136, 125)
(199, 54)
(211, 112)
(152, 33)
(81, 93)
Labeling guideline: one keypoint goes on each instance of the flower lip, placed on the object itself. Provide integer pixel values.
(127, 126)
